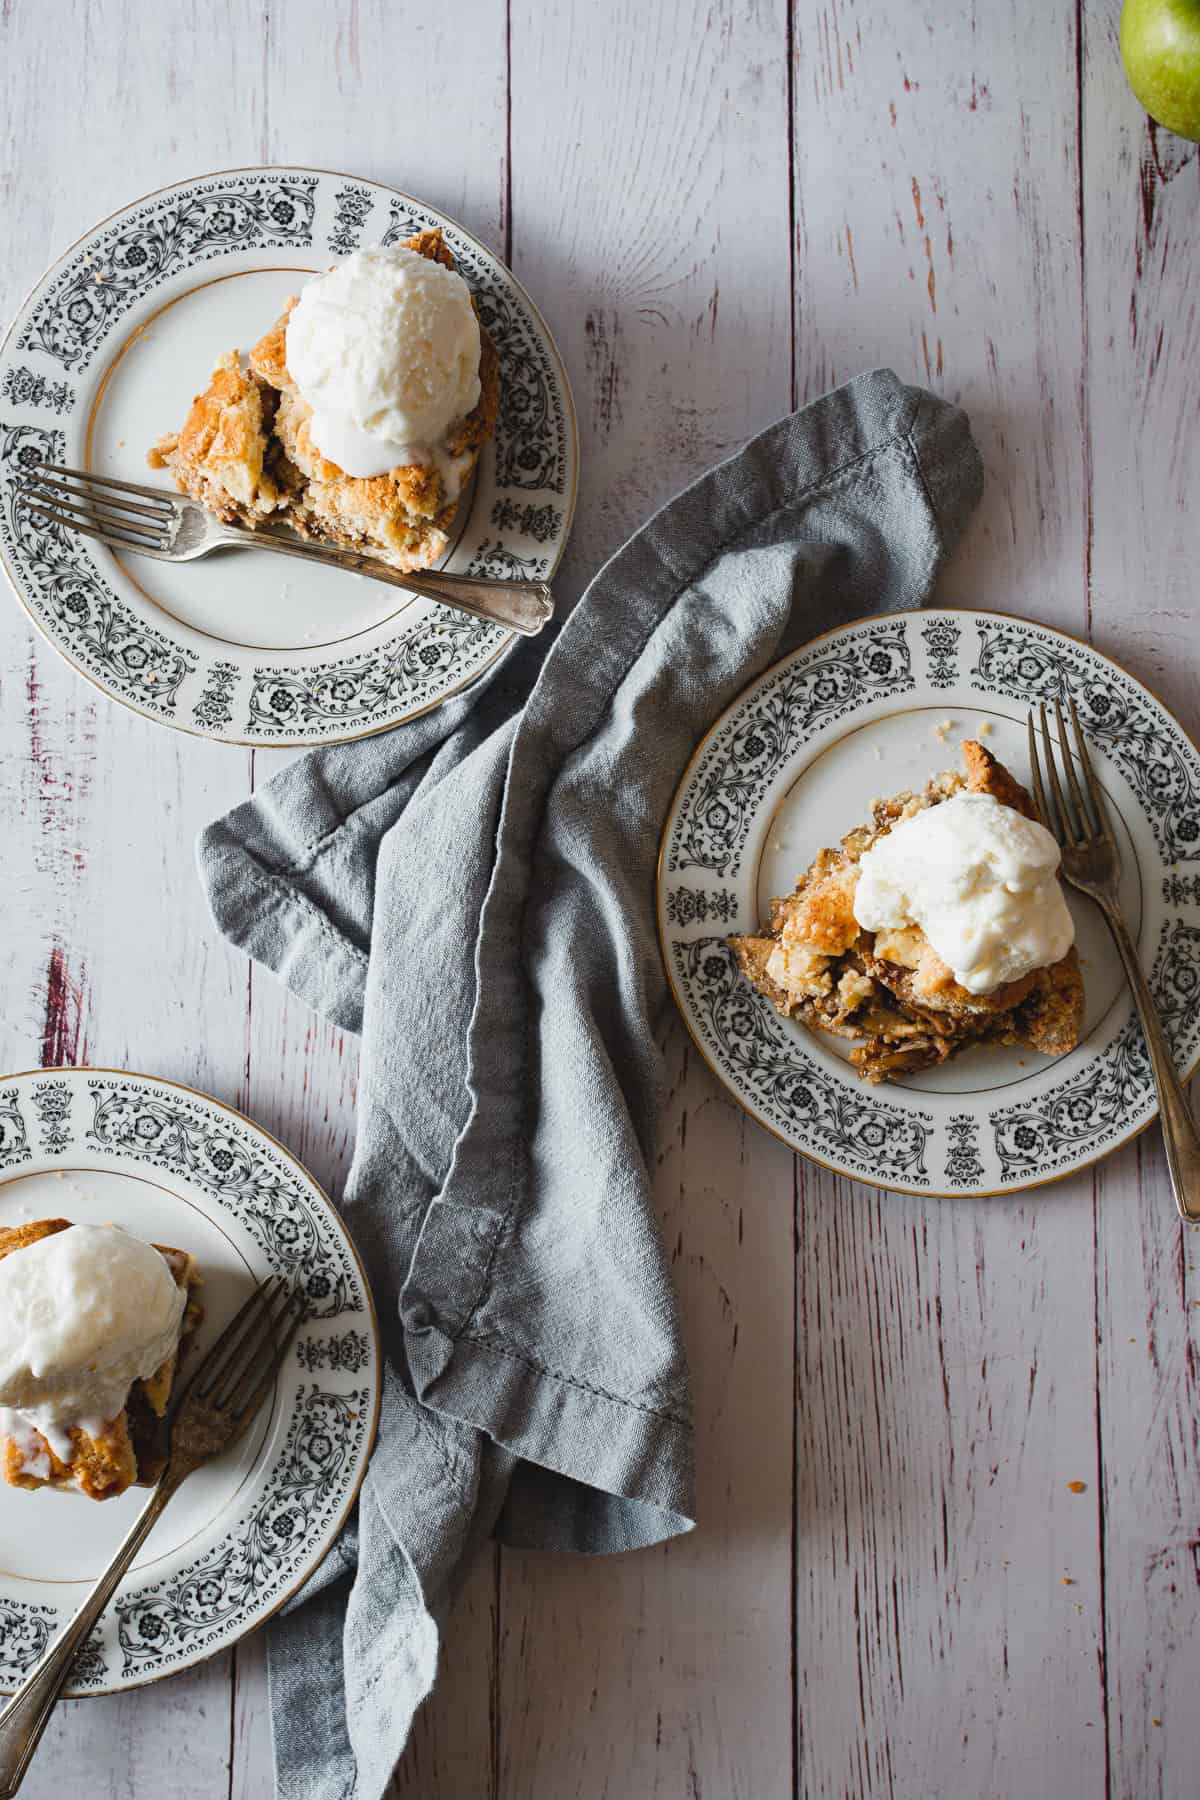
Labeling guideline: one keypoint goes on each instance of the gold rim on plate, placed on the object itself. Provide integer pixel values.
(975, 612)
(311, 1181)
(559, 550)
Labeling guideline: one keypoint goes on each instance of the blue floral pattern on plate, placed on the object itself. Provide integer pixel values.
(516, 519)
(948, 1132)
(289, 1505)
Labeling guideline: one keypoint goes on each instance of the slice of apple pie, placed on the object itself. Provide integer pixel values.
(957, 934)
(248, 450)
(92, 1325)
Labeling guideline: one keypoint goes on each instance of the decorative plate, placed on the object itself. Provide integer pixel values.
(98, 1146)
(869, 710)
(247, 647)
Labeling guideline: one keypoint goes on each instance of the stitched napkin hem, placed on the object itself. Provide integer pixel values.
(461, 1358)
(474, 892)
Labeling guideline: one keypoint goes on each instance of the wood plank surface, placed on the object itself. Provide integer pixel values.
(373, 110)
(98, 807)
(946, 1392)
(679, 1658)
(894, 1590)
(656, 237)
(1141, 248)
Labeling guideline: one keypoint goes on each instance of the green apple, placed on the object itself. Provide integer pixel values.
(1160, 47)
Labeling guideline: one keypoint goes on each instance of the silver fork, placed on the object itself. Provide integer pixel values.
(219, 1402)
(1091, 861)
(151, 521)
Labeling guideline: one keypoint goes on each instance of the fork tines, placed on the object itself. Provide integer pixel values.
(123, 514)
(1078, 819)
(242, 1364)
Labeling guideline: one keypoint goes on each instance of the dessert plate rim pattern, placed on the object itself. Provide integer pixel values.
(235, 1543)
(911, 683)
(97, 301)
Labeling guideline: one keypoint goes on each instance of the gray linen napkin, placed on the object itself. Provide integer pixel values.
(473, 893)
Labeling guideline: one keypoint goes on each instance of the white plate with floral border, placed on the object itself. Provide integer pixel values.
(246, 647)
(794, 763)
(98, 1146)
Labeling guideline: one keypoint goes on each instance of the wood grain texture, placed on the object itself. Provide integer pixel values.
(946, 1393)
(936, 188)
(894, 1590)
(362, 109)
(1141, 201)
(251, 1766)
(649, 217)
(651, 222)
(175, 1738)
(669, 1672)
(1141, 239)
(454, 1745)
(98, 808)
(948, 1617)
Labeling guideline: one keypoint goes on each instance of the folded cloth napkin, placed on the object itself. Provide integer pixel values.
(473, 893)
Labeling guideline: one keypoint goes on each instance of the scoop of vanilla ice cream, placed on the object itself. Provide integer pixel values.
(980, 880)
(385, 349)
(83, 1315)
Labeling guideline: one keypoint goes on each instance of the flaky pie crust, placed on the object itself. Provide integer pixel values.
(888, 991)
(246, 452)
(131, 1449)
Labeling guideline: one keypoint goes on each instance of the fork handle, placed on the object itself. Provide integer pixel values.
(524, 606)
(25, 1717)
(1178, 1127)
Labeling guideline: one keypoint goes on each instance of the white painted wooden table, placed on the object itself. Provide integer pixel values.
(899, 1586)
